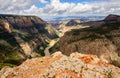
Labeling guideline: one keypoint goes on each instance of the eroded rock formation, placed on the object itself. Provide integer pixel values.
(60, 66)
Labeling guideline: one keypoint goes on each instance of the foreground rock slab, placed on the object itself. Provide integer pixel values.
(60, 66)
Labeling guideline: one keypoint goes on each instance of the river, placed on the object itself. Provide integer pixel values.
(51, 43)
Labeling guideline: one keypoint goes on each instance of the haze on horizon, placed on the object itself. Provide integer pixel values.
(60, 7)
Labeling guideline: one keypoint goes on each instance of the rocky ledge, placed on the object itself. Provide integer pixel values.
(60, 66)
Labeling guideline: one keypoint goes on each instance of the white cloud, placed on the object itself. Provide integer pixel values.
(55, 7)
(15, 6)
(33, 10)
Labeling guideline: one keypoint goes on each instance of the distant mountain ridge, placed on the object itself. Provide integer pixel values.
(112, 17)
(63, 18)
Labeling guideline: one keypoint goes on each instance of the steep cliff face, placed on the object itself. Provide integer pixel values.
(103, 41)
(23, 37)
(60, 66)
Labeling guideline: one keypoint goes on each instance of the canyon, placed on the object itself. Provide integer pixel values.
(32, 48)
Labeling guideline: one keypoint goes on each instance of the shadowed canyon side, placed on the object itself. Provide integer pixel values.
(60, 66)
(102, 39)
(23, 37)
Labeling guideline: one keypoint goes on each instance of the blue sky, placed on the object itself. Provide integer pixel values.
(60, 7)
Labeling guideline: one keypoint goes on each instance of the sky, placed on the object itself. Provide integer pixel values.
(60, 7)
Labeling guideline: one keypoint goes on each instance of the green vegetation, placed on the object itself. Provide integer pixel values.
(41, 50)
(75, 32)
(9, 38)
(110, 74)
(5, 43)
(6, 64)
(97, 30)
(9, 54)
(113, 24)
(116, 63)
(28, 38)
(92, 33)
(92, 37)
(12, 57)
(19, 32)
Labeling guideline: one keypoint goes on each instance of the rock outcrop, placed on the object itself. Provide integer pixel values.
(60, 66)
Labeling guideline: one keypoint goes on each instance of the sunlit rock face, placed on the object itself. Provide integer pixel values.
(60, 66)
(4, 26)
